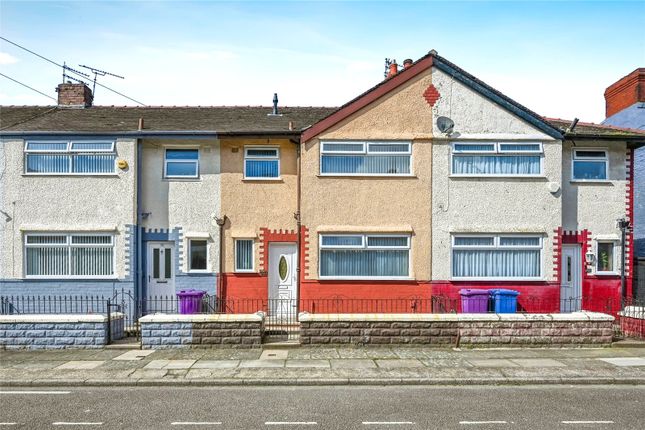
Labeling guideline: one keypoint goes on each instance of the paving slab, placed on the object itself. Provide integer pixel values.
(134, 354)
(80, 365)
(404, 362)
(492, 362)
(308, 363)
(215, 364)
(538, 362)
(624, 361)
(179, 364)
(274, 354)
(261, 363)
(352, 363)
(156, 364)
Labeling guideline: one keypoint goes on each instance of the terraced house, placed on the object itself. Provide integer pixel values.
(427, 183)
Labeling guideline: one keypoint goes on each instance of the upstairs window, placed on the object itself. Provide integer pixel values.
(357, 256)
(181, 163)
(589, 164)
(261, 163)
(496, 159)
(496, 257)
(70, 157)
(365, 158)
(69, 255)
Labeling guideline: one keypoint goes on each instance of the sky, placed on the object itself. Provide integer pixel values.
(554, 57)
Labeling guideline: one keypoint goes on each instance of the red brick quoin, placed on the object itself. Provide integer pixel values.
(431, 95)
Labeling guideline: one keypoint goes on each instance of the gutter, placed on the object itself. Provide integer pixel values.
(143, 134)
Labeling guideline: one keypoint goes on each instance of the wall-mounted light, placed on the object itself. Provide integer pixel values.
(590, 258)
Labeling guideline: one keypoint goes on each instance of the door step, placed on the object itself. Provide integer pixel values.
(125, 343)
(280, 343)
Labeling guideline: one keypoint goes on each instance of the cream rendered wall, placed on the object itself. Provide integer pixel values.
(376, 204)
(252, 204)
(66, 203)
(595, 205)
(488, 205)
(192, 204)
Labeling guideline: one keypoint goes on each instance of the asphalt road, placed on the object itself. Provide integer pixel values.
(537, 407)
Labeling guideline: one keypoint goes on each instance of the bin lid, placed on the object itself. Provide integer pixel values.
(504, 292)
(190, 292)
(473, 292)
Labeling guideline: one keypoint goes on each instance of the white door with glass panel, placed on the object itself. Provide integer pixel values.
(571, 279)
(282, 279)
(160, 274)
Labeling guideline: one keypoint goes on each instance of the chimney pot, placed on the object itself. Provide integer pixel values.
(407, 63)
(394, 69)
(625, 92)
(74, 95)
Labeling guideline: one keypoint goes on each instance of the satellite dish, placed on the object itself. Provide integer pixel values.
(445, 124)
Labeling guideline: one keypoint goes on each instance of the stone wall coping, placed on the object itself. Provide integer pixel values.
(574, 316)
(197, 318)
(637, 312)
(56, 318)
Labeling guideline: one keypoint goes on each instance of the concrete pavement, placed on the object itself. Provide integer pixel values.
(335, 408)
(322, 366)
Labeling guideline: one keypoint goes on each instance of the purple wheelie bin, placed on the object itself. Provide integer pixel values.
(474, 301)
(190, 301)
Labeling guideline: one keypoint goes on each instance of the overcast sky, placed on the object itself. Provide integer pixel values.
(554, 57)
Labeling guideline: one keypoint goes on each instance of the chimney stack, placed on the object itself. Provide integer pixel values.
(394, 69)
(625, 92)
(407, 63)
(74, 95)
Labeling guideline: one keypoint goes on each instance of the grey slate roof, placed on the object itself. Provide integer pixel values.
(223, 119)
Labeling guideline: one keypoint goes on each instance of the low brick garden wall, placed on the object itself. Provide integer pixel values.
(58, 331)
(478, 330)
(202, 331)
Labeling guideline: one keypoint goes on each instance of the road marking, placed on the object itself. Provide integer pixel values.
(196, 423)
(387, 423)
(290, 423)
(65, 423)
(35, 392)
(482, 422)
(587, 422)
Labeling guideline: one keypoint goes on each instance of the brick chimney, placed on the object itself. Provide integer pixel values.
(394, 69)
(74, 95)
(626, 92)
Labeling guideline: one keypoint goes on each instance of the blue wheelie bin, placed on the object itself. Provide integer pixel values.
(504, 301)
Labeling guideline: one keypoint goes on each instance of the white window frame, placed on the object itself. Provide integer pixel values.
(498, 151)
(365, 151)
(496, 245)
(364, 246)
(256, 158)
(166, 161)
(69, 245)
(575, 158)
(616, 260)
(190, 256)
(252, 269)
(69, 152)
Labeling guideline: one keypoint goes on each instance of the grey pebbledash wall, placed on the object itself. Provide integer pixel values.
(160, 331)
(480, 330)
(58, 331)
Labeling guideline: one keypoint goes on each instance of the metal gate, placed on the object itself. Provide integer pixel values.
(281, 323)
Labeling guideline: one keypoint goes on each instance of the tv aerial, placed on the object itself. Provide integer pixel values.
(97, 73)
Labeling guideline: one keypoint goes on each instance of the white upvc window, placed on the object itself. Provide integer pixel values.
(366, 158)
(589, 164)
(65, 157)
(244, 255)
(261, 162)
(606, 261)
(181, 163)
(497, 159)
(364, 256)
(69, 255)
(197, 255)
(496, 257)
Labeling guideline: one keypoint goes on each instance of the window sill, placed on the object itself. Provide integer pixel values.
(498, 176)
(498, 279)
(69, 278)
(365, 278)
(591, 181)
(262, 180)
(196, 179)
(199, 272)
(334, 175)
(74, 175)
(606, 274)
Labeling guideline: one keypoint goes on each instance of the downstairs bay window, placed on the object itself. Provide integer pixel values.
(60, 255)
(496, 159)
(497, 257)
(359, 256)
